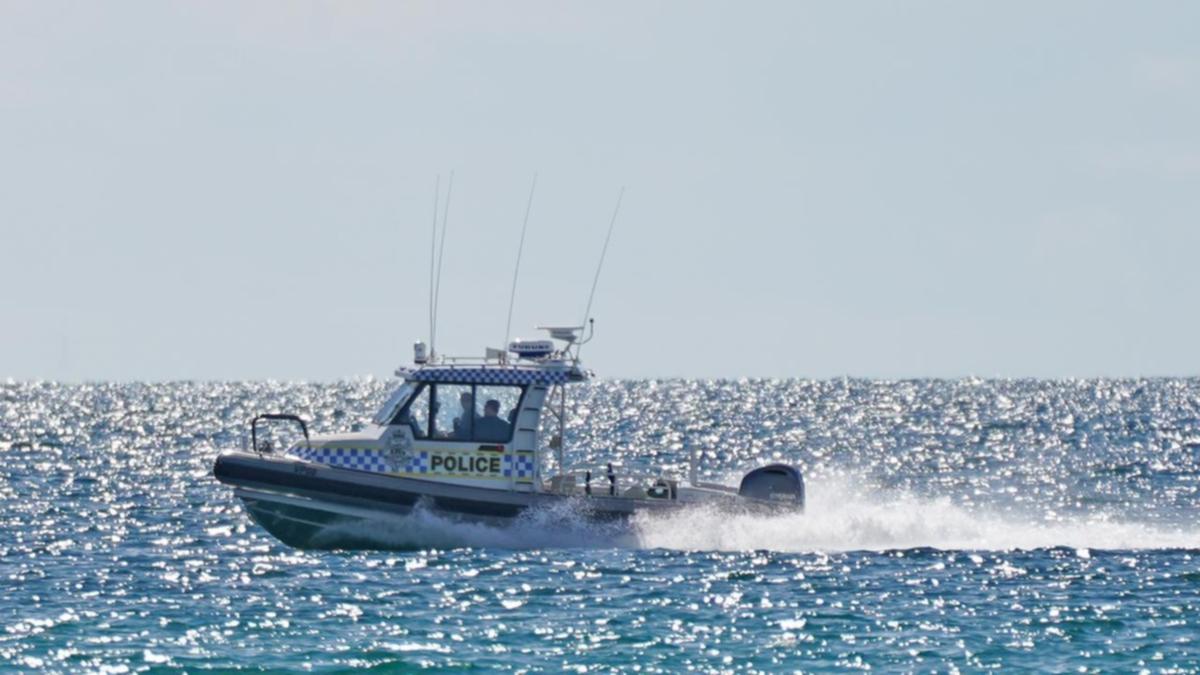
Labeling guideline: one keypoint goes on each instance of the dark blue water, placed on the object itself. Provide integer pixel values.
(966, 524)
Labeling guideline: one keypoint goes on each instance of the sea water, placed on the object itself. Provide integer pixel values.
(951, 525)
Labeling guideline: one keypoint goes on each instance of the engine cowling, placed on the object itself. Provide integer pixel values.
(774, 483)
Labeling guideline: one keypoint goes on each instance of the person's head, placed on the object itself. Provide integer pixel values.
(466, 400)
(491, 408)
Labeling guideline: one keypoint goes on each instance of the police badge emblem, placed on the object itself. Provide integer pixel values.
(399, 447)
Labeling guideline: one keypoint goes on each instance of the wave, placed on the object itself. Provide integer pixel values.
(839, 517)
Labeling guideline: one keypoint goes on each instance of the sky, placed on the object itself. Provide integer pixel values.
(235, 191)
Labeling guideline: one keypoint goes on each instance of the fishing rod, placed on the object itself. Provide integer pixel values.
(517, 268)
(587, 314)
(437, 290)
(437, 193)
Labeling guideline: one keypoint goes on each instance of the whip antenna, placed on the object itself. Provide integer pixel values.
(587, 314)
(437, 194)
(520, 248)
(437, 287)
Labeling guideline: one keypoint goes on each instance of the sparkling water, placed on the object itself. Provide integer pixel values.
(950, 525)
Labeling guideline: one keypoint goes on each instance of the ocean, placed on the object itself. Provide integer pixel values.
(963, 525)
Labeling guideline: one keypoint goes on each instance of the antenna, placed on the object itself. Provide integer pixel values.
(512, 298)
(437, 194)
(587, 314)
(437, 287)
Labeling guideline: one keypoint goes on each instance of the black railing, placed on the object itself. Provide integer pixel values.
(266, 446)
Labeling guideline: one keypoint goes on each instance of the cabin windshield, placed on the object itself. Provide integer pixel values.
(397, 399)
(475, 413)
(479, 413)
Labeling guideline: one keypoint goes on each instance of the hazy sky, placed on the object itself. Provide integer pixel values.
(887, 189)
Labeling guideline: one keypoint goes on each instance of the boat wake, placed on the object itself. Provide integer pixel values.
(837, 519)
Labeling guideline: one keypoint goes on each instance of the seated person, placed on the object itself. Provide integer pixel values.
(490, 427)
(414, 416)
(462, 423)
(417, 426)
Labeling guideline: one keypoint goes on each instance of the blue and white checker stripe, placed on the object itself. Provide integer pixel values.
(365, 459)
(417, 463)
(498, 375)
(521, 465)
(362, 459)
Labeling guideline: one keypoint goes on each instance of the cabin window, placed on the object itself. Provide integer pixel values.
(499, 407)
(387, 414)
(456, 411)
(416, 413)
(474, 413)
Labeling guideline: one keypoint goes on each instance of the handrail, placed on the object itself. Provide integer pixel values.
(274, 416)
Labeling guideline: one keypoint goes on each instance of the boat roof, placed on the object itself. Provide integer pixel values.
(546, 373)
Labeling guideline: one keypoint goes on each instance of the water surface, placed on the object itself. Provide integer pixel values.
(951, 524)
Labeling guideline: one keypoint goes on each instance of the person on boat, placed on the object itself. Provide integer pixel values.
(462, 423)
(490, 427)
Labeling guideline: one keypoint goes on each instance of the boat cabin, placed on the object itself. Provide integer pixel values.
(470, 424)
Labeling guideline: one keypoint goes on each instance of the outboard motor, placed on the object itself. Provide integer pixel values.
(774, 483)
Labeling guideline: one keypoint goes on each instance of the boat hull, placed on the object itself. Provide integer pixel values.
(310, 524)
(309, 505)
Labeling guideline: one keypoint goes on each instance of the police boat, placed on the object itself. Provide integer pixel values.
(463, 439)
